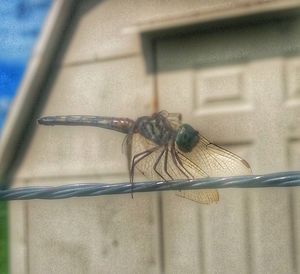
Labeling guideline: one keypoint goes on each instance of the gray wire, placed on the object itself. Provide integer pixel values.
(283, 179)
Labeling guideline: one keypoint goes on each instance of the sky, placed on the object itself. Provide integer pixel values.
(20, 25)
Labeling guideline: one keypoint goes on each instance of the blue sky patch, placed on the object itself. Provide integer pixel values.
(20, 25)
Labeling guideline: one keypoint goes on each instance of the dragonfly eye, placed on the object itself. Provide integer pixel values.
(186, 138)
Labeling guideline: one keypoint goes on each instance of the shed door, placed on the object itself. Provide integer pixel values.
(238, 83)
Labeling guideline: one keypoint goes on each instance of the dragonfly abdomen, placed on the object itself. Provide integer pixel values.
(123, 125)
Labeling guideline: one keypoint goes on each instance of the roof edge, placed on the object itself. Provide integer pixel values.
(208, 14)
(36, 71)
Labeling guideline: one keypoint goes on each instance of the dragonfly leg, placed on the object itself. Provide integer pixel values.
(178, 163)
(181, 164)
(135, 161)
(157, 162)
(124, 143)
(192, 164)
(166, 162)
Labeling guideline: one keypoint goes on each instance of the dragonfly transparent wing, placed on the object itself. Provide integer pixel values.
(127, 149)
(213, 161)
(160, 165)
(174, 119)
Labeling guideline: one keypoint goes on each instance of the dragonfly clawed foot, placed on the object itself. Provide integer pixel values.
(132, 186)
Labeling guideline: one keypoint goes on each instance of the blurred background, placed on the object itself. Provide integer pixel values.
(20, 24)
(232, 68)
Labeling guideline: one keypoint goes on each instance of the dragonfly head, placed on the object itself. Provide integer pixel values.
(186, 138)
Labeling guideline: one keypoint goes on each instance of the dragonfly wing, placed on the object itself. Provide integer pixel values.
(193, 166)
(204, 196)
(167, 169)
(215, 161)
(211, 160)
(140, 145)
(158, 165)
(174, 119)
(127, 149)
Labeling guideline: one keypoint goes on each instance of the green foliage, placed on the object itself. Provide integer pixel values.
(3, 238)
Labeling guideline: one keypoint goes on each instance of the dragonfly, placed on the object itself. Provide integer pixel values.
(161, 147)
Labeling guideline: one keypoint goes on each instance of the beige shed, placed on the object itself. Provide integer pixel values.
(232, 68)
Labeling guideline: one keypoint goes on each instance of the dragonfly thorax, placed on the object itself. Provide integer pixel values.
(155, 128)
